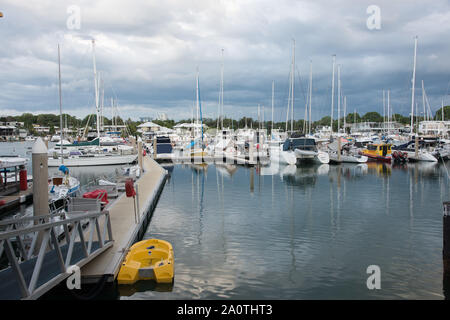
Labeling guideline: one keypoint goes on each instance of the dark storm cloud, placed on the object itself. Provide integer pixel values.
(148, 52)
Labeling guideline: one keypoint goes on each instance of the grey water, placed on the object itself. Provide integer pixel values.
(307, 232)
(301, 232)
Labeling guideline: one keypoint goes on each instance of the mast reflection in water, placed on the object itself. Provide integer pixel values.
(309, 232)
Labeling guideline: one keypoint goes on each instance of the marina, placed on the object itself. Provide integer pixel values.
(232, 151)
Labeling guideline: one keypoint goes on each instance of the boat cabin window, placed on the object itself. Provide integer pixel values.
(372, 147)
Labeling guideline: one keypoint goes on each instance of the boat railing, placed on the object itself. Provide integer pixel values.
(36, 266)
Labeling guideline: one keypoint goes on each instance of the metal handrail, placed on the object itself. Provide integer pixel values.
(44, 235)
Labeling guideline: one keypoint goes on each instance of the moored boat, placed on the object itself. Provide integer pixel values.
(378, 152)
(150, 259)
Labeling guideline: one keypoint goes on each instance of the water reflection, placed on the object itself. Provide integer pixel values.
(144, 286)
(323, 225)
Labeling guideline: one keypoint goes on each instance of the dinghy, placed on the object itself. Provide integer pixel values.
(150, 259)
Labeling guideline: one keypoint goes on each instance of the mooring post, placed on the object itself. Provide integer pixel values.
(416, 146)
(40, 178)
(250, 151)
(446, 249)
(155, 148)
(339, 149)
(139, 143)
(39, 159)
(446, 232)
(46, 142)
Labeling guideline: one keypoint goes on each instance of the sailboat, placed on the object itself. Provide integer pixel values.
(412, 148)
(61, 186)
(91, 157)
(197, 151)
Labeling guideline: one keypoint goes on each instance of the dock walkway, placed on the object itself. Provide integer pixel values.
(125, 230)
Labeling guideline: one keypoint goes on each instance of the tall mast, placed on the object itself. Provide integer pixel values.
(388, 111)
(310, 95)
(292, 86)
(96, 89)
(339, 96)
(384, 111)
(273, 91)
(345, 111)
(413, 85)
(332, 94)
(60, 107)
(423, 101)
(221, 94)
(197, 101)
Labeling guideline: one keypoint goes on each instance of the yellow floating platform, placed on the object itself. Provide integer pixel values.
(150, 259)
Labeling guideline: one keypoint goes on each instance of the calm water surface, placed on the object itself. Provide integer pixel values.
(289, 232)
(301, 232)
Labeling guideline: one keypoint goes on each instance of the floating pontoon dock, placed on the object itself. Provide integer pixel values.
(125, 229)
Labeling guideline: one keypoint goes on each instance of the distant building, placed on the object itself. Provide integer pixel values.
(148, 126)
(434, 127)
(145, 119)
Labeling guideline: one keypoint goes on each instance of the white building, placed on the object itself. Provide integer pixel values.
(434, 128)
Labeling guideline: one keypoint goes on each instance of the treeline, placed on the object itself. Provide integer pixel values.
(52, 121)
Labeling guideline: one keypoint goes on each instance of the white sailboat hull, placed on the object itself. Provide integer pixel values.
(421, 156)
(101, 160)
(347, 158)
(319, 156)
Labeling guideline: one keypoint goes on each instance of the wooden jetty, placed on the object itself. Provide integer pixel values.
(125, 229)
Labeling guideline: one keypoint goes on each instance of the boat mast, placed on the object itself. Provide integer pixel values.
(60, 107)
(332, 95)
(197, 104)
(310, 95)
(388, 112)
(96, 89)
(273, 90)
(339, 97)
(413, 85)
(345, 111)
(384, 112)
(292, 84)
(221, 93)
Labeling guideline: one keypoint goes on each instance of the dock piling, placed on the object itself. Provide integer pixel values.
(139, 146)
(40, 178)
(446, 232)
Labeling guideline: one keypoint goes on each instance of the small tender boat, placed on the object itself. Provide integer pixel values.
(147, 260)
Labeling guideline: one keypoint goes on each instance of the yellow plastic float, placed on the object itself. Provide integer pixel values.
(150, 259)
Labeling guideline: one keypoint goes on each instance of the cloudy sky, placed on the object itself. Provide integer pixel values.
(148, 53)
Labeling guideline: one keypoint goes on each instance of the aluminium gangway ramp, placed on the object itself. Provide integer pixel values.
(39, 255)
